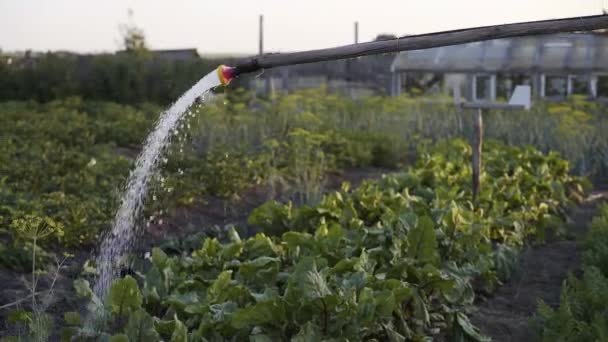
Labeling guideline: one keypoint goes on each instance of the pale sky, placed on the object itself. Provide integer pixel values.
(230, 26)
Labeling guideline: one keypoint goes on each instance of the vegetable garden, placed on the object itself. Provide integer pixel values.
(396, 258)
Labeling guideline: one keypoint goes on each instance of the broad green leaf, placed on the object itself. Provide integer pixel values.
(385, 303)
(304, 265)
(271, 217)
(355, 281)
(271, 312)
(421, 311)
(209, 251)
(297, 239)
(221, 312)
(422, 241)
(180, 332)
(124, 296)
(335, 233)
(364, 263)
(308, 281)
(263, 270)
(140, 327)
(259, 245)
(232, 250)
(345, 265)
(268, 294)
(309, 332)
(467, 327)
(215, 292)
(159, 258)
(366, 306)
(314, 285)
(233, 235)
(83, 290)
(165, 328)
(392, 335)
(183, 300)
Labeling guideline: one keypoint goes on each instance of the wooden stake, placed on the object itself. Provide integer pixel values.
(476, 144)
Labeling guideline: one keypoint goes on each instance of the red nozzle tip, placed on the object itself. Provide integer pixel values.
(226, 74)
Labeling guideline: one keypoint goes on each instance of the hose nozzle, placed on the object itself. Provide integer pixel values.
(226, 74)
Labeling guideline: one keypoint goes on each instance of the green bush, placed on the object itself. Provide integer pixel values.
(125, 78)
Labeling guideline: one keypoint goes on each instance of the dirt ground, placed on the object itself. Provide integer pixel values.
(506, 315)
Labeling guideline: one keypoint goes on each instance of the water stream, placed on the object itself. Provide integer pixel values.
(120, 239)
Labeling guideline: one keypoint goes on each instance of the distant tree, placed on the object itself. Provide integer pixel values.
(133, 37)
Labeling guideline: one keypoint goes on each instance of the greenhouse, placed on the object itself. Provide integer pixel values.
(556, 66)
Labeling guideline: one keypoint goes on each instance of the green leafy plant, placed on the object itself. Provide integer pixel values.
(582, 314)
(35, 324)
(394, 259)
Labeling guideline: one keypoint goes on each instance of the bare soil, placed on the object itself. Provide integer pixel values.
(508, 313)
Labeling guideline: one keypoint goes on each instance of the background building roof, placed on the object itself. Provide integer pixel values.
(573, 53)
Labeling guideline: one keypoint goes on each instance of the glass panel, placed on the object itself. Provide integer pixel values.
(482, 88)
(506, 83)
(523, 54)
(556, 86)
(580, 85)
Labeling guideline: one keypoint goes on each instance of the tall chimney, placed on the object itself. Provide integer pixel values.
(356, 32)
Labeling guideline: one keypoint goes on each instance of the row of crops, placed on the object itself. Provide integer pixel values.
(64, 161)
(395, 259)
